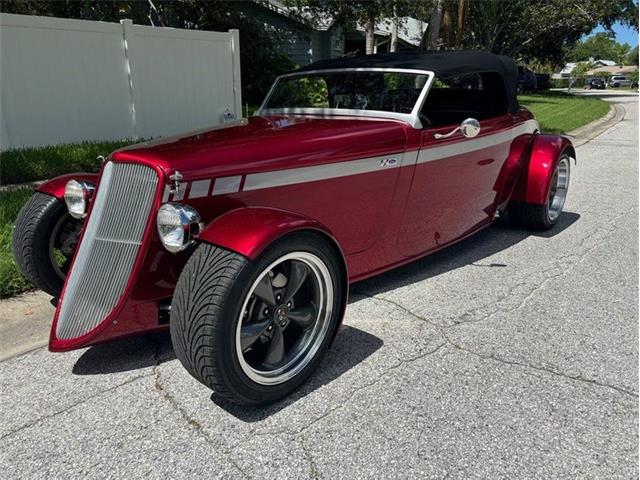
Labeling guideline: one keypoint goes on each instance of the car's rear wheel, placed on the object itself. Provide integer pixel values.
(44, 241)
(253, 331)
(543, 217)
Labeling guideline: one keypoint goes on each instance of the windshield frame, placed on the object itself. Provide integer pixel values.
(412, 118)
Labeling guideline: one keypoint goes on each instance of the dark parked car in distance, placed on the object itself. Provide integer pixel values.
(527, 81)
(595, 83)
(543, 81)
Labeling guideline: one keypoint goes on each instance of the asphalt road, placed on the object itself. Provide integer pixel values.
(510, 355)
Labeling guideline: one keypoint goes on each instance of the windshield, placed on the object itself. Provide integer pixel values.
(382, 91)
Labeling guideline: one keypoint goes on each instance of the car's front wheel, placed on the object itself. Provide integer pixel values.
(545, 216)
(44, 241)
(253, 331)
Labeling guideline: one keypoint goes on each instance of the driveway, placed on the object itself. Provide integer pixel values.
(510, 355)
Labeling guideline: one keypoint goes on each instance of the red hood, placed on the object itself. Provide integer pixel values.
(261, 143)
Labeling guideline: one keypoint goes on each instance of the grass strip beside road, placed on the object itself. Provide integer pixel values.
(558, 112)
(11, 281)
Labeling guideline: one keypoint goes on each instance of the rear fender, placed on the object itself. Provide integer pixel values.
(516, 161)
(55, 186)
(535, 177)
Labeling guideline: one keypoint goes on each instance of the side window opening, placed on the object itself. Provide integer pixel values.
(478, 95)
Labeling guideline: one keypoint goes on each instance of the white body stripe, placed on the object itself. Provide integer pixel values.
(292, 176)
(529, 126)
(462, 147)
(226, 185)
(321, 172)
(199, 188)
(471, 145)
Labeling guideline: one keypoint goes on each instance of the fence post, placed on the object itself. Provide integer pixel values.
(237, 90)
(127, 36)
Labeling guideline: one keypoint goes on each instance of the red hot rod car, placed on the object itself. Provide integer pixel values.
(243, 239)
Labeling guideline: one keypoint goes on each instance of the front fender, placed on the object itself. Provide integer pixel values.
(55, 186)
(248, 231)
(535, 178)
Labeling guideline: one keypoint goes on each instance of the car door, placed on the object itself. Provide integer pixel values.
(453, 189)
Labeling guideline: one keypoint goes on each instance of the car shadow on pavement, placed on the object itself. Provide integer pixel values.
(124, 355)
(351, 347)
(471, 251)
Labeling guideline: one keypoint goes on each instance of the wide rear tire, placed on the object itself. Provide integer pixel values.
(232, 338)
(544, 217)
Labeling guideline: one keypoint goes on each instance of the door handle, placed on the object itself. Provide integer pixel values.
(438, 136)
(470, 127)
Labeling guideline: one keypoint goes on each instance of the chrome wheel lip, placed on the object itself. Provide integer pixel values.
(311, 342)
(558, 189)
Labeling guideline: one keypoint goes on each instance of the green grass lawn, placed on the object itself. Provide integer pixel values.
(27, 164)
(558, 112)
(11, 281)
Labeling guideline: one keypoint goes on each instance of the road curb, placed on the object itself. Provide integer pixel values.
(588, 132)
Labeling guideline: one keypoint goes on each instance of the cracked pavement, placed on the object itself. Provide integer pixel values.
(509, 355)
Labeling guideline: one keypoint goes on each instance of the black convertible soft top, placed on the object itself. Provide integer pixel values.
(444, 64)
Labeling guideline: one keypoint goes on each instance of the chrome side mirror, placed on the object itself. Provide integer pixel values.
(469, 127)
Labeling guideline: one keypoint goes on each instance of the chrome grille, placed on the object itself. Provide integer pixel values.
(109, 247)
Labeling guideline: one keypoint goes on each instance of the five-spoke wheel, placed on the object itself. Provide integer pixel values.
(284, 318)
(254, 330)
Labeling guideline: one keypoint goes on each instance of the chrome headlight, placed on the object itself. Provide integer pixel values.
(177, 225)
(77, 194)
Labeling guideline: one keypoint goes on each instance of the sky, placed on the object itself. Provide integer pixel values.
(624, 34)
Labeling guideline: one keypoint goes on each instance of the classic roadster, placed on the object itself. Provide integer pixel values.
(243, 239)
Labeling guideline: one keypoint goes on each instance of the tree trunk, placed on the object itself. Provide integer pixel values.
(394, 30)
(445, 29)
(463, 7)
(369, 37)
(433, 30)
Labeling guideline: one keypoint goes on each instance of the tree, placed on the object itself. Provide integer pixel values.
(599, 47)
(632, 57)
(528, 29)
(395, 25)
(433, 30)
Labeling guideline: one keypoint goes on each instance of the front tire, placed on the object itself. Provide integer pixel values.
(544, 217)
(44, 241)
(253, 331)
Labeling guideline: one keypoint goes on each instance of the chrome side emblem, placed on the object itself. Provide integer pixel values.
(388, 162)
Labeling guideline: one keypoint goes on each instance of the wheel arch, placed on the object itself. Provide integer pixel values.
(534, 180)
(248, 231)
(55, 186)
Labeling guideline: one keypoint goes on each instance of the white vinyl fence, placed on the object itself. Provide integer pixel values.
(67, 80)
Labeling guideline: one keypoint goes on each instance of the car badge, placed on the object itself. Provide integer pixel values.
(388, 162)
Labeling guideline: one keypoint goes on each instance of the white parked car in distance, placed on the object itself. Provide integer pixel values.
(619, 81)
